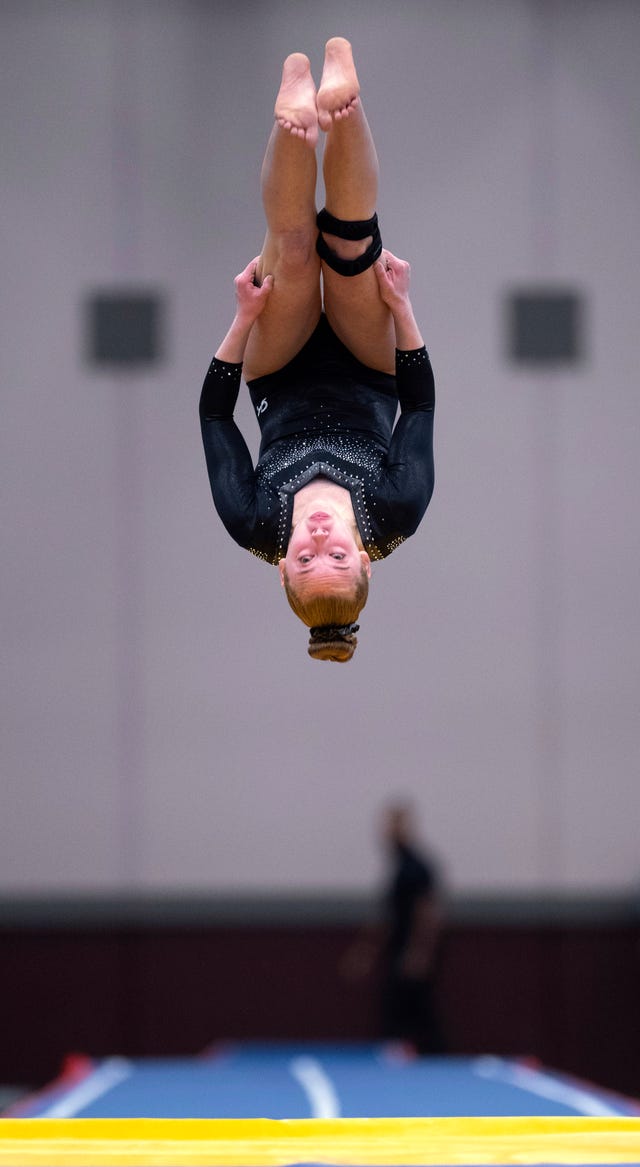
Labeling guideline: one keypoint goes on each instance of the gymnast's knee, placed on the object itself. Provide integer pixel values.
(295, 250)
(348, 247)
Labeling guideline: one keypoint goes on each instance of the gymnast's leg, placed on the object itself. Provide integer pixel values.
(288, 184)
(352, 302)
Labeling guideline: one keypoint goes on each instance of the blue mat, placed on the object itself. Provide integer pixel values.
(318, 1081)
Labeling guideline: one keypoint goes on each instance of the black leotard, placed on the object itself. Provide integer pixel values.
(324, 414)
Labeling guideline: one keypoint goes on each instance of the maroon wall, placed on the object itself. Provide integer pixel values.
(566, 995)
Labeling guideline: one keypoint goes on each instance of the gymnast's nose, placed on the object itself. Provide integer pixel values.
(319, 525)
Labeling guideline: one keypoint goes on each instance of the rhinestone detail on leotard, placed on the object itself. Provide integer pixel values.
(350, 460)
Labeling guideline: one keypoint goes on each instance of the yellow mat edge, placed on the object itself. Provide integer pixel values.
(29, 1142)
(250, 1128)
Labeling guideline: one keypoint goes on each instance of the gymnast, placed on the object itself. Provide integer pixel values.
(326, 337)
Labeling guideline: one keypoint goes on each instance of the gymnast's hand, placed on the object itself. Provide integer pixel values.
(251, 297)
(394, 276)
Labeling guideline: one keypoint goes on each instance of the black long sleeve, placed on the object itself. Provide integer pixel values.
(414, 379)
(229, 462)
(410, 467)
(220, 390)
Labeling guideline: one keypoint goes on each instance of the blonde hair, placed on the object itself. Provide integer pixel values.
(335, 610)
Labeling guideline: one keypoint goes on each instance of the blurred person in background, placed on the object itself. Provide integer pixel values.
(402, 947)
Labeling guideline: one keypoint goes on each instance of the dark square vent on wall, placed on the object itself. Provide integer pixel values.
(124, 328)
(545, 327)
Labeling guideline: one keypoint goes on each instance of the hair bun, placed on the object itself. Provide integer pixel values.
(333, 642)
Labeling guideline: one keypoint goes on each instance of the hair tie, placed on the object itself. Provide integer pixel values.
(325, 632)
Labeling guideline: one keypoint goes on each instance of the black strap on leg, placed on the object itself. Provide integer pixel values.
(348, 229)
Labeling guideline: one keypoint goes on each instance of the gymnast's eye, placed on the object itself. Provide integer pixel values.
(304, 559)
(339, 555)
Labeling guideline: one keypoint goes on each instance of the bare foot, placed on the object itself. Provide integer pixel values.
(339, 88)
(296, 101)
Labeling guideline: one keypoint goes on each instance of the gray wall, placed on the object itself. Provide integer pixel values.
(162, 724)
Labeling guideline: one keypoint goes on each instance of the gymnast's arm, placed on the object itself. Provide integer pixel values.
(229, 462)
(410, 471)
